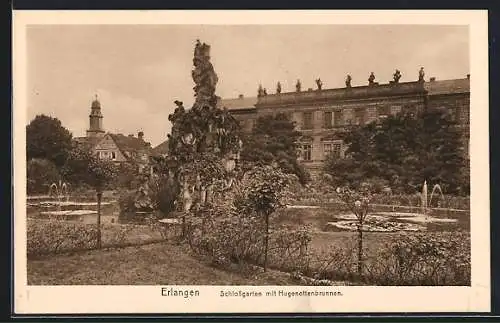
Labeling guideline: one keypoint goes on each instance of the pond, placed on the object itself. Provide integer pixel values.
(45, 207)
(328, 218)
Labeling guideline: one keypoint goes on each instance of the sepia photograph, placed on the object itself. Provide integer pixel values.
(313, 156)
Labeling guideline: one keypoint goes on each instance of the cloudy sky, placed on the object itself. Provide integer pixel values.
(139, 70)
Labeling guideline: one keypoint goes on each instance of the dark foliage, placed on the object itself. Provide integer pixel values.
(273, 140)
(40, 174)
(82, 167)
(46, 138)
(402, 151)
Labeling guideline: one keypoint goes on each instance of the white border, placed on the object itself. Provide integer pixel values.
(148, 299)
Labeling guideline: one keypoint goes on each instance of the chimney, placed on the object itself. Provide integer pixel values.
(240, 96)
(140, 135)
(468, 76)
(432, 79)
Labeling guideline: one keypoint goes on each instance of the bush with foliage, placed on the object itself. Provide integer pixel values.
(126, 201)
(46, 237)
(46, 138)
(404, 150)
(237, 228)
(50, 237)
(407, 259)
(127, 177)
(423, 259)
(40, 174)
(81, 167)
(274, 140)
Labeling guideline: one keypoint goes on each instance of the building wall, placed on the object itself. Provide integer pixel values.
(356, 106)
(458, 106)
(246, 119)
(345, 113)
(107, 148)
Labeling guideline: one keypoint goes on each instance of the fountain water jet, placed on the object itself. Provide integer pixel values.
(60, 189)
(424, 195)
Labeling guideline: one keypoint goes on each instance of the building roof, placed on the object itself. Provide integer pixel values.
(89, 142)
(240, 103)
(340, 94)
(432, 87)
(448, 86)
(128, 145)
(161, 149)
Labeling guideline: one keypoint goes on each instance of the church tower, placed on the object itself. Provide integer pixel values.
(95, 118)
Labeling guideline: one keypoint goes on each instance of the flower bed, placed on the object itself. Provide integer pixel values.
(399, 259)
(376, 226)
(53, 236)
(383, 200)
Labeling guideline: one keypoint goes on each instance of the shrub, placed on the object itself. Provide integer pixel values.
(46, 237)
(49, 237)
(126, 202)
(334, 262)
(423, 259)
(228, 236)
(409, 259)
(164, 192)
(127, 176)
(40, 174)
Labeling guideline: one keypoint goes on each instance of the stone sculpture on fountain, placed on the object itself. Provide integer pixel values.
(203, 144)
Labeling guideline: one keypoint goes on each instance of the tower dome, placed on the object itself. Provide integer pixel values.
(96, 104)
(95, 119)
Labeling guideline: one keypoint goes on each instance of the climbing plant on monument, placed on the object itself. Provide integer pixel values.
(204, 145)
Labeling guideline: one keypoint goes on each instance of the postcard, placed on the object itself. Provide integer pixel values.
(250, 161)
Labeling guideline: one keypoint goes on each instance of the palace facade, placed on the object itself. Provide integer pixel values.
(323, 114)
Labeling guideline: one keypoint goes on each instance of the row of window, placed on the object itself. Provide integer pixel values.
(334, 149)
(339, 118)
(109, 155)
(346, 117)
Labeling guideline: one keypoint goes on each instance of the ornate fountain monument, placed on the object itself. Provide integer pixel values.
(204, 147)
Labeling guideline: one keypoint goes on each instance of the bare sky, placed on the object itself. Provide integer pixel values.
(139, 70)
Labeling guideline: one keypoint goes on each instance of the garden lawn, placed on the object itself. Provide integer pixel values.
(154, 264)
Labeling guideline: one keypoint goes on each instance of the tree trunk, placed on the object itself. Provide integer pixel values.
(360, 249)
(99, 238)
(184, 229)
(266, 243)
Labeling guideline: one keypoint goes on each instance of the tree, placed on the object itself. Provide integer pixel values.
(403, 150)
(75, 169)
(273, 140)
(265, 189)
(100, 174)
(46, 138)
(85, 168)
(40, 174)
(358, 202)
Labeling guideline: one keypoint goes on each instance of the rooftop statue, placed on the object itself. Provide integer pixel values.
(278, 88)
(298, 86)
(319, 84)
(421, 75)
(371, 79)
(348, 80)
(397, 76)
(260, 91)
